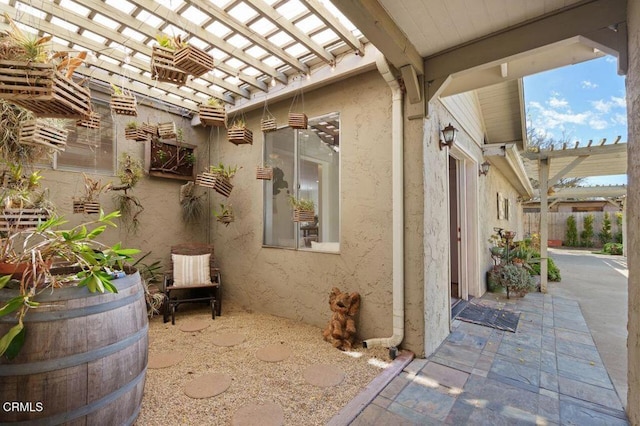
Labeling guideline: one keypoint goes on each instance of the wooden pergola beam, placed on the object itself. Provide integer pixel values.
(332, 22)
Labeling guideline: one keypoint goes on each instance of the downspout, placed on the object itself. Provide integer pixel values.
(397, 186)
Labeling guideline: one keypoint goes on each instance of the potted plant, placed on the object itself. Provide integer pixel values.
(91, 122)
(212, 113)
(239, 134)
(47, 132)
(59, 322)
(225, 214)
(89, 203)
(303, 209)
(516, 280)
(39, 80)
(219, 178)
(122, 102)
(24, 205)
(167, 130)
(162, 61)
(133, 132)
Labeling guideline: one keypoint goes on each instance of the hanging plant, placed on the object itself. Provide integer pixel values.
(298, 120)
(134, 132)
(167, 130)
(11, 150)
(212, 113)
(190, 203)
(225, 214)
(264, 172)
(268, 121)
(89, 203)
(91, 122)
(303, 209)
(191, 59)
(162, 62)
(219, 178)
(45, 132)
(123, 102)
(239, 134)
(129, 173)
(39, 80)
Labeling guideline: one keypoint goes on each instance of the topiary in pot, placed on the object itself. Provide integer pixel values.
(516, 280)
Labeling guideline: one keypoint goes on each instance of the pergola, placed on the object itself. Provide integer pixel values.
(551, 165)
(258, 46)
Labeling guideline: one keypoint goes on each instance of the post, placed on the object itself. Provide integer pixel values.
(544, 222)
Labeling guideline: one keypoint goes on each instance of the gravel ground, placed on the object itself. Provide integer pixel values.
(253, 380)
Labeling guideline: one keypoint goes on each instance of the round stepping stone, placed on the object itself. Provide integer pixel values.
(164, 359)
(324, 375)
(275, 352)
(228, 339)
(268, 413)
(194, 325)
(207, 386)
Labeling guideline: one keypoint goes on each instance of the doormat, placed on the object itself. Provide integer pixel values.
(489, 317)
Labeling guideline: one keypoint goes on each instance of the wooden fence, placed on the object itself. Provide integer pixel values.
(558, 224)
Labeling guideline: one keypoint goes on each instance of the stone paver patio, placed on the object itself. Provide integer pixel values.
(548, 372)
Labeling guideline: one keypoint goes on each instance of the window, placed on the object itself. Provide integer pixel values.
(306, 165)
(90, 150)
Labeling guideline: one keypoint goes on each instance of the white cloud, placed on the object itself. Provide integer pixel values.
(586, 84)
(555, 102)
(619, 119)
(597, 123)
(610, 58)
(601, 105)
(619, 102)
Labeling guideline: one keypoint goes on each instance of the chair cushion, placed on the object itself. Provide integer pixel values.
(191, 270)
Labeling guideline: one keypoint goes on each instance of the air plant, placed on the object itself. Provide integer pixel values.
(18, 45)
(301, 204)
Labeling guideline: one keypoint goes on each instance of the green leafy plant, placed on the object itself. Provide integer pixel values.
(571, 237)
(132, 125)
(238, 123)
(226, 171)
(605, 233)
(40, 248)
(618, 234)
(516, 280)
(130, 207)
(553, 272)
(214, 102)
(225, 214)
(151, 274)
(301, 204)
(613, 248)
(17, 45)
(586, 236)
(165, 41)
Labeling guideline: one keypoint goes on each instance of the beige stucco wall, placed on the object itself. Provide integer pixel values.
(161, 224)
(296, 284)
(633, 211)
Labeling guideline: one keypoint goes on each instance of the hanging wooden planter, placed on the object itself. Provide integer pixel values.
(136, 135)
(34, 132)
(220, 183)
(78, 206)
(298, 120)
(193, 60)
(264, 173)
(91, 122)
(268, 124)
(167, 130)
(240, 136)
(23, 219)
(150, 129)
(303, 215)
(212, 115)
(91, 207)
(163, 68)
(43, 90)
(226, 219)
(124, 105)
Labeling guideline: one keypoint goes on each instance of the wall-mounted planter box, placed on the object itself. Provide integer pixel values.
(264, 173)
(303, 215)
(92, 122)
(193, 60)
(35, 132)
(226, 219)
(12, 219)
(298, 120)
(212, 115)
(43, 90)
(163, 68)
(124, 105)
(240, 136)
(220, 183)
(170, 159)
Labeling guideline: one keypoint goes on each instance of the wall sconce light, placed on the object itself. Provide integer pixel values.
(449, 136)
(484, 168)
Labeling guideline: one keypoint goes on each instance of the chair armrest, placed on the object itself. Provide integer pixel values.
(167, 281)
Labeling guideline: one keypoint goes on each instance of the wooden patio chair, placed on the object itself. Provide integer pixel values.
(193, 277)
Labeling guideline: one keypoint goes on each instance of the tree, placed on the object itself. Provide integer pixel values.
(572, 232)
(618, 236)
(586, 236)
(537, 140)
(605, 233)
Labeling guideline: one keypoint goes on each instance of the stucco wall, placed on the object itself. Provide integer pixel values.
(161, 224)
(296, 284)
(633, 210)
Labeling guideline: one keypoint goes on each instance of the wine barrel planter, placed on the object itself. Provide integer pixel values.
(84, 359)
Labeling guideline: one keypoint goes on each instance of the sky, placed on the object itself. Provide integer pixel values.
(579, 102)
